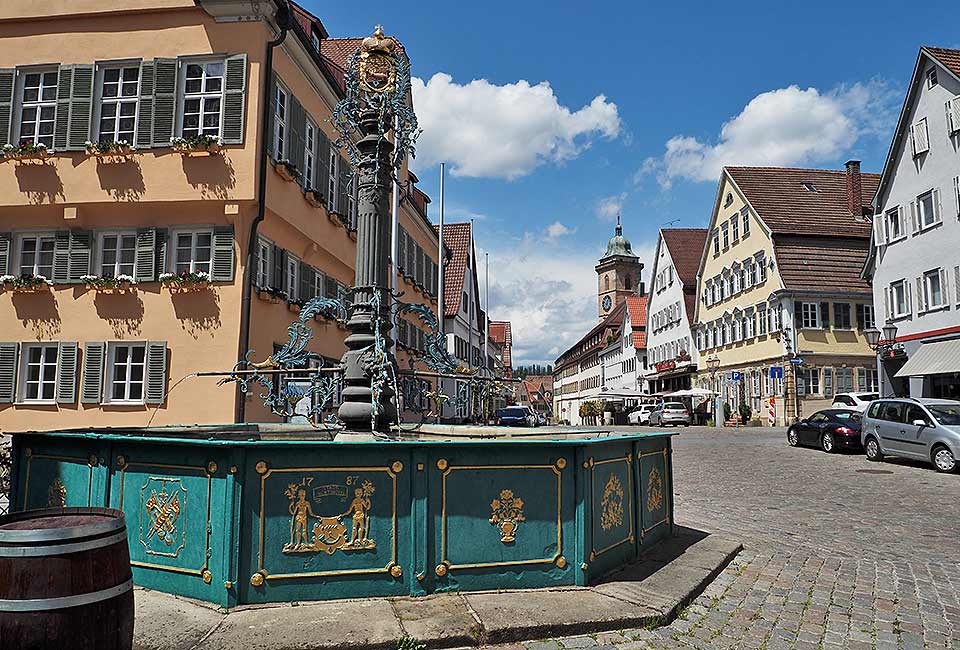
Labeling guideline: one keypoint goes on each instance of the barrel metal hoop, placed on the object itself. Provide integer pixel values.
(117, 522)
(63, 602)
(62, 549)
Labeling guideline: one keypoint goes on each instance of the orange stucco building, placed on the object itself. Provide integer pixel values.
(149, 72)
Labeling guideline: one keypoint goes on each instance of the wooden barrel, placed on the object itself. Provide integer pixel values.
(65, 580)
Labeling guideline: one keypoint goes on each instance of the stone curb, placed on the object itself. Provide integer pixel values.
(649, 592)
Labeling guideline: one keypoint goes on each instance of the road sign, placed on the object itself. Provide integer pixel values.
(797, 361)
(776, 372)
(736, 375)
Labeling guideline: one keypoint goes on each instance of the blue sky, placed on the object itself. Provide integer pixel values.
(645, 101)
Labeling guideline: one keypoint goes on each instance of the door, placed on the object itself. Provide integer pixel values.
(814, 428)
(918, 439)
(892, 429)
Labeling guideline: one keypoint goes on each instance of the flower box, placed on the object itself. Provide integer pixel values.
(107, 285)
(25, 151)
(185, 280)
(194, 146)
(273, 296)
(315, 198)
(287, 170)
(110, 151)
(25, 283)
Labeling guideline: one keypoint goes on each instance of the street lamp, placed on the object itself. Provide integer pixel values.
(883, 345)
(713, 364)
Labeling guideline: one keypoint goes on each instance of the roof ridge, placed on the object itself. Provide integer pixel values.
(796, 169)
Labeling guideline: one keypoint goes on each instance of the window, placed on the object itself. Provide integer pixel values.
(318, 283)
(844, 380)
(899, 304)
(36, 255)
(716, 242)
(810, 315)
(761, 322)
(865, 318)
(334, 181)
(39, 372)
(931, 77)
(894, 224)
(125, 372)
(293, 278)
(264, 254)
(193, 251)
(119, 95)
(933, 294)
(309, 143)
(202, 98)
(762, 267)
(774, 318)
(841, 316)
(735, 227)
(725, 230)
(928, 213)
(866, 379)
(811, 377)
(352, 202)
(745, 215)
(38, 106)
(921, 141)
(279, 122)
(117, 252)
(808, 186)
(466, 303)
(315, 41)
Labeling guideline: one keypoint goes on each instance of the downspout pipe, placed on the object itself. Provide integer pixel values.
(283, 18)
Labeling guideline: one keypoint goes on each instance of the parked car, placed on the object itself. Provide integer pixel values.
(670, 413)
(920, 428)
(640, 415)
(515, 416)
(830, 429)
(853, 401)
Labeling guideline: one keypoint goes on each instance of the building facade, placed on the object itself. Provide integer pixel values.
(176, 95)
(914, 265)
(674, 358)
(781, 305)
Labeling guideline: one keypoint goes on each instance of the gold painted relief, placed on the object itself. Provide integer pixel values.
(507, 515)
(611, 504)
(654, 490)
(57, 494)
(163, 499)
(329, 532)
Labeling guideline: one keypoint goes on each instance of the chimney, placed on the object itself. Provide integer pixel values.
(854, 188)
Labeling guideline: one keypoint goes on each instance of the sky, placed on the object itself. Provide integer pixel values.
(555, 117)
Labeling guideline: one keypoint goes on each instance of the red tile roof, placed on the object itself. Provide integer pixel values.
(458, 237)
(822, 264)
(637, 307)
(786, 207)
(500, 332)
(950, 59)
(686, 247)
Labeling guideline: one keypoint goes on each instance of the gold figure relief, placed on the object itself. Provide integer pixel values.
(329, 533)
(163, 499)
(611, 504)
(507, 515)
(57, 494)
(654, 490)
(377, 70)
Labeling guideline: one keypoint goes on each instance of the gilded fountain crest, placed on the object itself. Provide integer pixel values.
(611, 504)
(654, 490)
(162, 502)
(329, 533)
(507, 515)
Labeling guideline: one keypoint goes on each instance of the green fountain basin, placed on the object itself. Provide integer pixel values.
(265, 513)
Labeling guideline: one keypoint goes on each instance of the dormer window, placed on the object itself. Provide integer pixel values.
(808, 186)
(315, 41)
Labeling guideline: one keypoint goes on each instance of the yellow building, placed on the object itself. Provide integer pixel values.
(82, 350)
(781, 307)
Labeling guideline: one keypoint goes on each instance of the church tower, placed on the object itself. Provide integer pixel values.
(618, 273)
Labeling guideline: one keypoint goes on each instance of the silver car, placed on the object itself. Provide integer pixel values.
(920, 428)
(670, 413)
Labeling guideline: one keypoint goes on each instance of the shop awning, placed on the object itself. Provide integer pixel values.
(935, 358)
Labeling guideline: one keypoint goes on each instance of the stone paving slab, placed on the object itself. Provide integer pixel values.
(647, 595)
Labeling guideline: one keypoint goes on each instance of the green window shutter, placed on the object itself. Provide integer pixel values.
(145, 255)
(8, 372)
(342, 206)
(296, 123)
(81, 254)
(144, 135)
(401, 260)
(6, 247)
(155, 390)
(7, 78)
(164, 100)
(306, 282)
(825, 315)
(67, 373)
(321, 169)
(330, 287)
(276, 274)
(222, 254)
(61, 129)
(269, 108)
(81, 107)
(234, 99)
(161, 250)
(91, 379)
(61, 257)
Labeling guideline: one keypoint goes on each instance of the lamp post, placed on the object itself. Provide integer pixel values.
(788, 349)
(713, 364)
(881, 345)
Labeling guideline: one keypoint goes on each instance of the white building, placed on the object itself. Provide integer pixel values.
(672, 354)
(914, 264)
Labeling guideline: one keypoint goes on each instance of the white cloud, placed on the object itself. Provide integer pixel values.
(609, 207)
(547, 292)
(485, 130)
(556, 230)
(783, 127)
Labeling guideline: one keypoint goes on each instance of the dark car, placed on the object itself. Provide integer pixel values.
(830, 430)
(515, 416)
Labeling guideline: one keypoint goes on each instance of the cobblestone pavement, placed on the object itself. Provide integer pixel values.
(839, 552)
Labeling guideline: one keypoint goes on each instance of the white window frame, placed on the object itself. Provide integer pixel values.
(922, 214)
(891, 217)
(264, 261)
(174, 247)
(725, 233)
(745, 219)
(931, 76)
(333, 183)
(119, 234)
(17, 267)
(293, 277)
(110, 366)
(762, 268)
(872, 317)
(42, 377)
(183, 96)
(894, 311)
(279, 135)
(734, 229)
(120, 99)
(810, 316)
(309, 147)
(924, 146)
(928, 279)
(716, 242)
(39, 104)
(352, 201)
(762, 323)
(319, 281)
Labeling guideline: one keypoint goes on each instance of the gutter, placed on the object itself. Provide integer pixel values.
(284, 18)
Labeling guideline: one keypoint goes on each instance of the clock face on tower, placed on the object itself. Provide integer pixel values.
(606, 303)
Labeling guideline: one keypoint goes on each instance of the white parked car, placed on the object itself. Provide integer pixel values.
(853, 401)
(641, 414)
